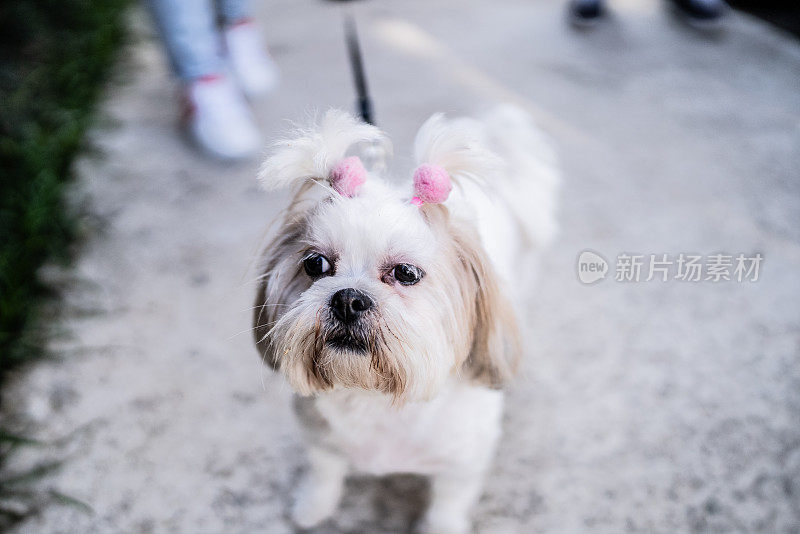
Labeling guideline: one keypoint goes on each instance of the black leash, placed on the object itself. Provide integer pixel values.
(364, 104)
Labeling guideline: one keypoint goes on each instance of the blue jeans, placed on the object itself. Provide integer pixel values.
(190, 33)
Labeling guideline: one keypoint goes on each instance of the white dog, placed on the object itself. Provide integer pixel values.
(389, 310)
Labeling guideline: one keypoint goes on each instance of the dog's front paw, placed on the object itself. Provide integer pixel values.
(314, 503)
(441, 524)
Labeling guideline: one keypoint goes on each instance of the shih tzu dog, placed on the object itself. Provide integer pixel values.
(390, 309)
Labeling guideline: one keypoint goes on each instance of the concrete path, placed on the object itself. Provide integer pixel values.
(642, 407)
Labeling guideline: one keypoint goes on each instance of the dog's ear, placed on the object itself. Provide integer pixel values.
(315, 154)
(495, 351)
(280, 283)
(458, 150)
(276, 286)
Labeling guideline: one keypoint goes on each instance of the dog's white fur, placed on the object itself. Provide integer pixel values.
(424, 396)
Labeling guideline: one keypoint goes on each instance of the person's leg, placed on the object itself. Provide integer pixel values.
(214, 114)
(190, 36)
(246, 52)
(233, 12)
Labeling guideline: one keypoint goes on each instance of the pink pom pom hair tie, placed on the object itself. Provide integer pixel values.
(431, 185)
(348, 176)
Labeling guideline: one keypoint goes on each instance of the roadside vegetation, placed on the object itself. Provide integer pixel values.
(55, 59)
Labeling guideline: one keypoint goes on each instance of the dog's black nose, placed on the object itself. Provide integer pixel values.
(348, 304)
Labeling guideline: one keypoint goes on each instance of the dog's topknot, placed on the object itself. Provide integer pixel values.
(313, 152)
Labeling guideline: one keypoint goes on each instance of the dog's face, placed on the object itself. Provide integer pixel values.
(376, 293)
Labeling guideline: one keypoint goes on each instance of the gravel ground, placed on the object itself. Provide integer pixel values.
(654, 407)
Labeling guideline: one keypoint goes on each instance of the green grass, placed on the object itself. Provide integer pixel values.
(55, 58)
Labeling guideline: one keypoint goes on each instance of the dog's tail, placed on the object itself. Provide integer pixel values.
(530, 180)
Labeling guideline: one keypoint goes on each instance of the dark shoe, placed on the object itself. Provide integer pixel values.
(702, 12)
(586, 12)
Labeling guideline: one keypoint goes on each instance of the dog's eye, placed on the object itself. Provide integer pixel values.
(316, 265)
(407, 274)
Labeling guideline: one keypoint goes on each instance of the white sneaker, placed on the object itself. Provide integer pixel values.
(217, 118)
(252, 66)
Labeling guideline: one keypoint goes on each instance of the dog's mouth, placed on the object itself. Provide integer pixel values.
(347, 342)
